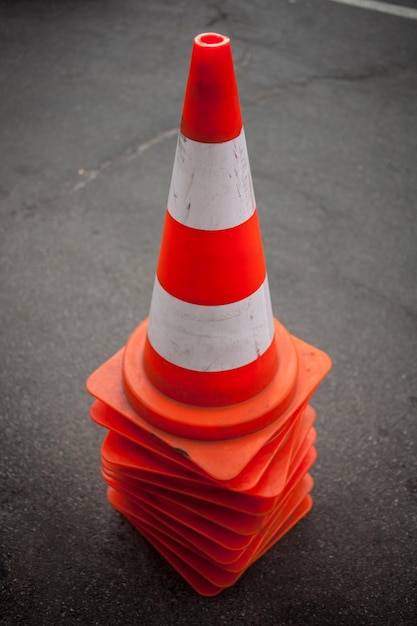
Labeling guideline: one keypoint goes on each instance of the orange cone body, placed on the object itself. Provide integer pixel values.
(211, 436)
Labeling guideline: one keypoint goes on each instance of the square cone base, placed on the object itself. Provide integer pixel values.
(208, 528)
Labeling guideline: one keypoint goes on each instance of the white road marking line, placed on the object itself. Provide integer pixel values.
(382, 7)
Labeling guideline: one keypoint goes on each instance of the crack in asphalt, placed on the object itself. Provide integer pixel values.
(89, 175)
(346, 77)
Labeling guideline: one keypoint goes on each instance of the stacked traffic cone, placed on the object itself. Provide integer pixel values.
(210, 434)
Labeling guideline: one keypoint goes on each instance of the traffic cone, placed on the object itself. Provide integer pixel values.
(210, 432)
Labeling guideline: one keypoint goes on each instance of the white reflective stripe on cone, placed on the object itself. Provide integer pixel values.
(211, 185)
(211, 338)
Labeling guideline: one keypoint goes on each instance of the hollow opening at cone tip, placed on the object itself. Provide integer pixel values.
(211, 39)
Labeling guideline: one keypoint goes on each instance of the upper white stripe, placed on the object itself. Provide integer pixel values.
(210, 338)
(211, 184)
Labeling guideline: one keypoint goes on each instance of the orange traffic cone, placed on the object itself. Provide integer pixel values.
(211, 436)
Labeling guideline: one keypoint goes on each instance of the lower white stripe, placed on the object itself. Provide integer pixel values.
(382, 7)
(211, 184)
(210, 338)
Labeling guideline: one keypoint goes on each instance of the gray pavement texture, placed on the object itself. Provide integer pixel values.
(91, 98)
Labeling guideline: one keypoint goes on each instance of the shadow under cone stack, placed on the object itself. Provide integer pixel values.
(210, 432)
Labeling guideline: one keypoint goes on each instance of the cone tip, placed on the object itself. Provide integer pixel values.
(211, 40)
(211, 112)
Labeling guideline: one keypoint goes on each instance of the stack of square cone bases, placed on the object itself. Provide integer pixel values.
(210, 432)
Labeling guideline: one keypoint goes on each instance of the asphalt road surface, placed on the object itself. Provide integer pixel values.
(91, 99)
